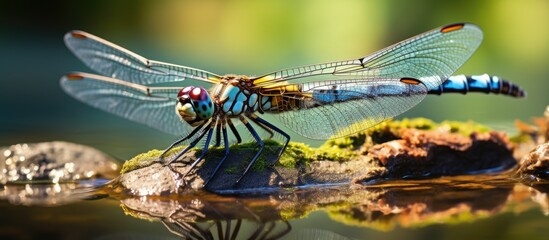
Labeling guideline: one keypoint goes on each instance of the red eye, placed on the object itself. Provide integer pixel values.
(184, 91)
(199, 94)
(195, 94)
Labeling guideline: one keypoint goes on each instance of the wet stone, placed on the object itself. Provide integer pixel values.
(53, 162)
(157, 179)
(431, 153)
(50, 194)
(536, 163)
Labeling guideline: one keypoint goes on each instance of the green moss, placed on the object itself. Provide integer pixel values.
(140, 161)
(232, 170)
(248, 150)
(464, 128)
(333, 154)
(382, 132)
(146, 159)
(260, 164)
(520, 138)
(295, 154)
(390, 130)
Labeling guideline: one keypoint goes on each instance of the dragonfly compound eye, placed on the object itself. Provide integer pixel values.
(184, 91)
(199, 99)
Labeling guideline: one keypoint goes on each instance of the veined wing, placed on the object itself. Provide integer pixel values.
(114, 61)
(430, 57)
(152, 106)
(336, 108)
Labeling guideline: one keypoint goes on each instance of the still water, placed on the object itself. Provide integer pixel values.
(464, 207)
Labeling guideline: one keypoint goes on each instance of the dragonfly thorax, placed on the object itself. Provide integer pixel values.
(194, 105)
(235, 95)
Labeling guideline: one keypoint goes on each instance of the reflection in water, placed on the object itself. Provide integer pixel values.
(205, 231)
(381, 205)
(198, 218)
(50, 194)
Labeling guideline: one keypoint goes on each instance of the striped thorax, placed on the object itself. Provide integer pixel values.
(235, 95)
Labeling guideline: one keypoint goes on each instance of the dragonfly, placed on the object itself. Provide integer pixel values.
(320, 101)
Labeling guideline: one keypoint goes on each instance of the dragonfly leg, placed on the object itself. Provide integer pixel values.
(259, 141)
(204, 150)
(218, 134)
(233, 129)
(236, 229)
(227, 229)
(273, 127)
(226, 144)
(191, 134)
(266, 128)
(191, 145)
(180, 177)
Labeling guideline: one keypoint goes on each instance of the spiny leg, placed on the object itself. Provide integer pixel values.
(266, 128)
(179, 176)
(204, 150)
(273, 127)
(258, 231)
(284, 232)
(219, 229)
(182, 139)
(218, 134)
(259, 141)
(233, 129)
(266, 231)
(191, 145)
(236, 229)
(226, 144)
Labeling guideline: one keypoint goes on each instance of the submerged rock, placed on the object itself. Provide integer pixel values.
(385, 151)
(53, 162)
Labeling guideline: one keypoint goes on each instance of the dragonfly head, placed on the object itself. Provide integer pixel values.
(194, 105)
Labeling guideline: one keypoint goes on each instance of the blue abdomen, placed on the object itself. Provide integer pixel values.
(480, 83)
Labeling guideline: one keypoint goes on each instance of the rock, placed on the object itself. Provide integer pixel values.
(535, 163)
(53, 162)
(51, 194)
(152, 178)
(431, 153)
(417, 153)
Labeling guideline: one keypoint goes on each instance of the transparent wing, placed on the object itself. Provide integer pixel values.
(332, 109)
(430, 57)
(114, 61)
(152, 106)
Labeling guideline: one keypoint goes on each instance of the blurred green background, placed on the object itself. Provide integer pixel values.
(252, 38)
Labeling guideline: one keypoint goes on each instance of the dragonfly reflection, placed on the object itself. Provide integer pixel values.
(318, 101)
